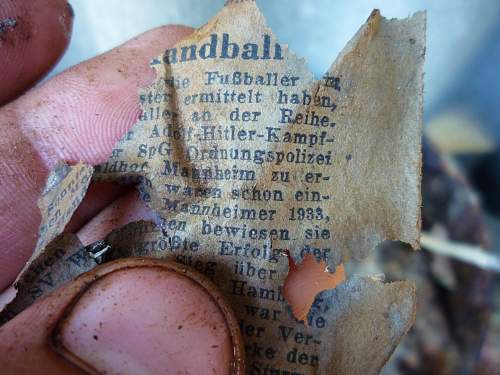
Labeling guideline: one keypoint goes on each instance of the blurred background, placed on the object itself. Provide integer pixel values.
(457, 274)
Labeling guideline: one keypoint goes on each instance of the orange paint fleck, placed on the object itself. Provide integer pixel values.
(305, 280)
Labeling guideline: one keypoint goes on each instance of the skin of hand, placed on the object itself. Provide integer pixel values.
(79, 115)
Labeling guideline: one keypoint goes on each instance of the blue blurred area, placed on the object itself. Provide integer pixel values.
(475, 88)
(463, 40)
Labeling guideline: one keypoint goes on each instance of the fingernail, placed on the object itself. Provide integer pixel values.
(148, 320)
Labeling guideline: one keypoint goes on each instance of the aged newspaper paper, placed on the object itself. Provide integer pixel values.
(243, 155)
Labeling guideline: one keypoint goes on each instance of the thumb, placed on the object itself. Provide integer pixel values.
(133, 316)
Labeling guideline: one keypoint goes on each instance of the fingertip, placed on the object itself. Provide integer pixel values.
(33, 36)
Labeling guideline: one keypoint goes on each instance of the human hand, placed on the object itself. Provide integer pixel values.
(124, 323)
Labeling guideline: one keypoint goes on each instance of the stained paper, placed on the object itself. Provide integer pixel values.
(244, 155)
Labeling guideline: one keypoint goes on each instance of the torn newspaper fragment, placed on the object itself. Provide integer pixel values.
(57, 257)
(64, 191)
(244, 155)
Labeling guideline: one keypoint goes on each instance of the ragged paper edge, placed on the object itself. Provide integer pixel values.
(388, 312)
(65, 189)
(61, 193)
(62, 260)
(363, 37)
(234, 2)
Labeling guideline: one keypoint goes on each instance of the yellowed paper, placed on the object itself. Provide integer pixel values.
(244, 155)
(57, 258)
(63, 259)
(66, 186)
